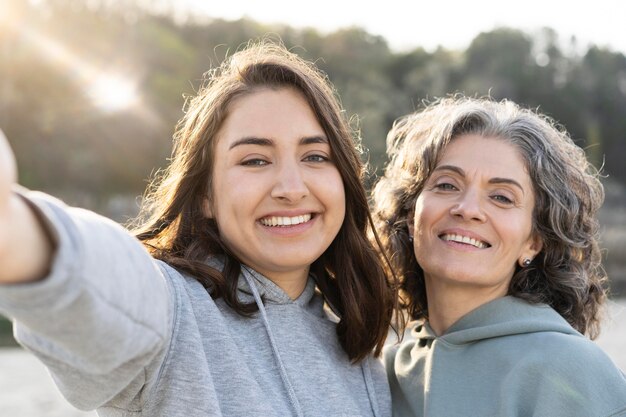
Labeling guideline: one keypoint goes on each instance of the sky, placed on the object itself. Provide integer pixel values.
(407, 24)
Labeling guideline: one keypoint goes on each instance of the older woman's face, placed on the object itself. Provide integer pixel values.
(473, 220)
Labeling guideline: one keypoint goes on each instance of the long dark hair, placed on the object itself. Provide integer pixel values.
(349, 273)
(567, 274)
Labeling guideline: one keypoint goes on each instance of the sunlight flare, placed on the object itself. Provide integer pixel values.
(112, 92)
(108, 91)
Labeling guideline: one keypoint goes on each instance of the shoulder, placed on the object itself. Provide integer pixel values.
(552, 348)
(187, 291)
(569, 368)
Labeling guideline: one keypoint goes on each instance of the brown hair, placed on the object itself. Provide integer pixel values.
(349, 273)
(567, 274)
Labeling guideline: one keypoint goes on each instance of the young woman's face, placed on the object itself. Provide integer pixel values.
(278, 198)
(473, 219)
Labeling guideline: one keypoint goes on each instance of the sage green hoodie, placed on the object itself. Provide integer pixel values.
(507, 358)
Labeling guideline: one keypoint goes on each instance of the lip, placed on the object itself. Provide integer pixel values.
(289, 213)
(288, 230)
(463, 232)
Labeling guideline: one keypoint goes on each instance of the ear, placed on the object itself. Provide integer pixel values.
(206, 208)
(534, 246)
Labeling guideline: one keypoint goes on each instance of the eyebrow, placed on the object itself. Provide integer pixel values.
(494, 180)
(252, 140)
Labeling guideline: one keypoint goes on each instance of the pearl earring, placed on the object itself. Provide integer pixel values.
(526, 262)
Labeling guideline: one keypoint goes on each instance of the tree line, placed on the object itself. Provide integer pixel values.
(64, 144)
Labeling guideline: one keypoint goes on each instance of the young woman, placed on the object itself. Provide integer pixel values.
(259, 294)
(489, 213)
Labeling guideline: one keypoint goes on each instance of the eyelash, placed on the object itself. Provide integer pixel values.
(499, 198)
(262, 162)
(316, 158)
(445, 186)
(502, 199)
(255, 162)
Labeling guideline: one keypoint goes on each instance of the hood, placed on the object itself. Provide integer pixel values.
(503, 316)
(268, 290)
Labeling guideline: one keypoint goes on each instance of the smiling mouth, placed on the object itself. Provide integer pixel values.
(279, 221)
(465, 240)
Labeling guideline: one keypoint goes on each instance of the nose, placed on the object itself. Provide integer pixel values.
(469, 207)
(290, 185)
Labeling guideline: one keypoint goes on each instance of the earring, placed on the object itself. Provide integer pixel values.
(526, 262)
(411, 238)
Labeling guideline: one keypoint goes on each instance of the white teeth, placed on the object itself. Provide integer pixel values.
(465, 239)
(285, 221)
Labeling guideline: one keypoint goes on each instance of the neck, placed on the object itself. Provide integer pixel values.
(449, 303)
(292, 282)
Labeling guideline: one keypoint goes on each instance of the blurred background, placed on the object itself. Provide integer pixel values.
(91, 90)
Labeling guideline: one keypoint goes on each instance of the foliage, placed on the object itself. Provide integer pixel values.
(63, 143)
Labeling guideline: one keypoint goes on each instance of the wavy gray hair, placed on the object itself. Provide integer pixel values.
(567, 274)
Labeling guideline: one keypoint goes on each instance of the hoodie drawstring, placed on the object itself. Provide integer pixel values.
(283, 372)
(369, 385)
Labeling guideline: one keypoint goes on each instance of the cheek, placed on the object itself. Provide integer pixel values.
(331, 194)
(232, 188)
(423, 217)
(340, 195)
(421, 222)
(331, 189)
(337, 204)
(523, 239)
(518, 229)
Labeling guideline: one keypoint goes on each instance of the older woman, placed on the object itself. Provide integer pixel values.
(488, 211)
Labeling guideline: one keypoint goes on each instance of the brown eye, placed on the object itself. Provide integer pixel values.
(255, 162)
(316, 158)
(502, 199)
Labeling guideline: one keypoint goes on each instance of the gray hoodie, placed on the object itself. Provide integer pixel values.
(131, 336)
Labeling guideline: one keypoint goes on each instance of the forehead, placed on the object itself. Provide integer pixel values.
(269, 113)
(492, 156)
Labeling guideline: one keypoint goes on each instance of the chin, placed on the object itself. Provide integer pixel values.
(461, 276)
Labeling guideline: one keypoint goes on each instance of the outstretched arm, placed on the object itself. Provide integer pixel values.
(25, 248)
(83, 294)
